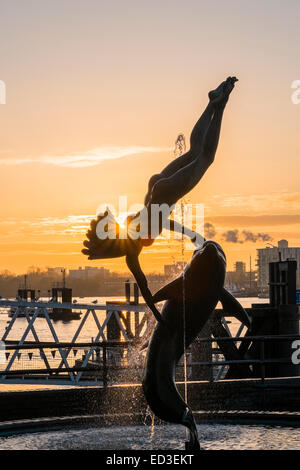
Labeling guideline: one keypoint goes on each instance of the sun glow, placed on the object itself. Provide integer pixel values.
(121, 219)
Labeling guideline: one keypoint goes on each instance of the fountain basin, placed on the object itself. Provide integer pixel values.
(271, 432)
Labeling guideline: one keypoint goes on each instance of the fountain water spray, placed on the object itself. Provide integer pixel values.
(180, 149)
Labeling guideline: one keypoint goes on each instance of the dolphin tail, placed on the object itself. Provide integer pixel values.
(189, 421)
(233, 307)
(173, 290)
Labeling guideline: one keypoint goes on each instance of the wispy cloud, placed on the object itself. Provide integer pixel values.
(256, 220)
(234, 236)
(87, 159)
(69, 220)
(272, 203)
(46, 226)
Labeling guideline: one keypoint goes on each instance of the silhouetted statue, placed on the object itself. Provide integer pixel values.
(190, 301)
(167, 187)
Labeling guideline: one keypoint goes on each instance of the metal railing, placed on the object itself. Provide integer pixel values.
(103, 361)
(65, 363)
(261, 361)
(103, 365)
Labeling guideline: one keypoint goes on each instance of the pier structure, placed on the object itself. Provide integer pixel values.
(266, 349)
(26, 294)
(279, 317)
(65, 294)
(113, 354)
(63, 362)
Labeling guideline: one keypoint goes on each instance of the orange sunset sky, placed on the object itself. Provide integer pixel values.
(97, 92)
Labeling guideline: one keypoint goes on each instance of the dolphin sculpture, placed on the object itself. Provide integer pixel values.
(194, 295)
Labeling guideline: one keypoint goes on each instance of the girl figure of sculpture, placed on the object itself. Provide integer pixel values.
(178, 178)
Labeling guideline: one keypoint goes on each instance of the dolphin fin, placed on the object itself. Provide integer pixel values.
(173, 290)
(233, 307)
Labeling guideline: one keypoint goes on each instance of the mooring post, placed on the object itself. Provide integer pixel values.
(127, 291)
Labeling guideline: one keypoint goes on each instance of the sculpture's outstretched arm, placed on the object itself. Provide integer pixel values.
(133, 264)
(173, 290)
(175, 226)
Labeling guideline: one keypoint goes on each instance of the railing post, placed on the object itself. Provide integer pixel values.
(104, 366)
(262, 359)
(93, 353)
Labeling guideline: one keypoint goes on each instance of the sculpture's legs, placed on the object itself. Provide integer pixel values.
(200, 128)
(176, 186)
(199, 131)
(218, 97)
(196, 141)
(212, 136)
(169, 188)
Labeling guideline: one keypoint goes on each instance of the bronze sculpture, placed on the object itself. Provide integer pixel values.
(176, 180)
(190, 301)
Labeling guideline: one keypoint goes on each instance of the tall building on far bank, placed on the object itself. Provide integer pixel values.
(240, 279)
(240, 268)
(270, 254)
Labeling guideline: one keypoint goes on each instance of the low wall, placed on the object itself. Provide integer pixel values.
(275, 395)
